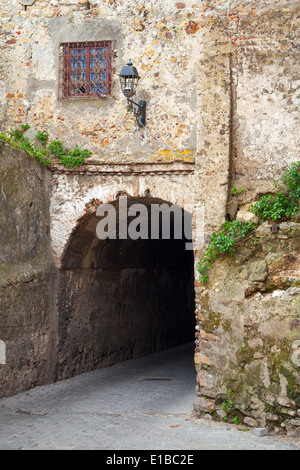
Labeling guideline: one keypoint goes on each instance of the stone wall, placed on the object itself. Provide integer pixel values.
(248, 345)
(26, 274)
(71, 302)
(75, 190)
(222, 89)
(220, 80)
(152, 34)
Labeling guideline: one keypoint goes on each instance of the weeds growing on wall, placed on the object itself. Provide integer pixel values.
(285, 203)
(224, 242)
(278, 207)
(68, 158)
(16, 140)
(45, 154)
(42, 137)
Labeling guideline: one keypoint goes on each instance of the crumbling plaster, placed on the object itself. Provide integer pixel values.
(71, 194)
(166, 84)
(217, 76)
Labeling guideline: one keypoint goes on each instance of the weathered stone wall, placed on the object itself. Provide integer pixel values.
(26, 274)
(266, 96)
(222, 89)
(219, 77)
(248, 345)
(63, 314)
(152, 34)
(74, 191)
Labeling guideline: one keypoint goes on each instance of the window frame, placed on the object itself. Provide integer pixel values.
(65, 69)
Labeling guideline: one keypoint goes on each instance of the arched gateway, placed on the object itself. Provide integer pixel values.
(127, 295)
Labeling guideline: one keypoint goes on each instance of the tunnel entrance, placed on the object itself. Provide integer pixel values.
(122, 298)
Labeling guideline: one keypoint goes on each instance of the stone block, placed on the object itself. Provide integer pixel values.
(250, 422)
(205, 379)
(258, 271)
(202, 404)
(275, 261)
(221, 413)
(295, 422)
(208, 336)
(232, 209)
(246, 216)
(264, 228)
(255, 343)
(202, 359)
(260, 432)
(271, 417)
(208, 393)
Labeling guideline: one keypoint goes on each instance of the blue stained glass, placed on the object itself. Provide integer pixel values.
(98, 56)
(98, 73)
(78, 60)
(88, 74)
(78, 76)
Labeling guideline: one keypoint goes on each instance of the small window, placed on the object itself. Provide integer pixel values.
(85, 69)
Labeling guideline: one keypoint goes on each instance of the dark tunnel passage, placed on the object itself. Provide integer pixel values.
(121, 298)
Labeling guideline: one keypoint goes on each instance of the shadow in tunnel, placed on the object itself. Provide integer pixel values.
(124, 298)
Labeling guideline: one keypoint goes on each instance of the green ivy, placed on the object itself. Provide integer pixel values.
(236, 420)
(224, 241)
(42, 136)
(16, 140)
(291, 180)
(56, 148)
(17, 134)
(25, 127)
(234, 191)
(68, 158)
(285, 204)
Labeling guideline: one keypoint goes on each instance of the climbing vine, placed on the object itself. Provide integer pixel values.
(222, 242)
(278, 207)
(285, 203)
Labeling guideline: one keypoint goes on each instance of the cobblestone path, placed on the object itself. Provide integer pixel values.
(143, 404)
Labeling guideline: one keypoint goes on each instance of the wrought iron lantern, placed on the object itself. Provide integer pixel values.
(129, 79)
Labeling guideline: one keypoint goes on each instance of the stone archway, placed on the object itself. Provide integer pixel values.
(122, 298)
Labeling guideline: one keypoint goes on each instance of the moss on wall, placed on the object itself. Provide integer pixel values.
(251, 305)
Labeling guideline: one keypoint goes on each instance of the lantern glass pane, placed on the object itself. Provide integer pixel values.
(128, 85)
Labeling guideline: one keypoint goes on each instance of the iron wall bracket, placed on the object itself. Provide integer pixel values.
(139, 110)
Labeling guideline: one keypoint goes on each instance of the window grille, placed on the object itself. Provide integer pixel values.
(85, 69)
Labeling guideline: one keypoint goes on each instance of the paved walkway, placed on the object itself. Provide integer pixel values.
(143, 404)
